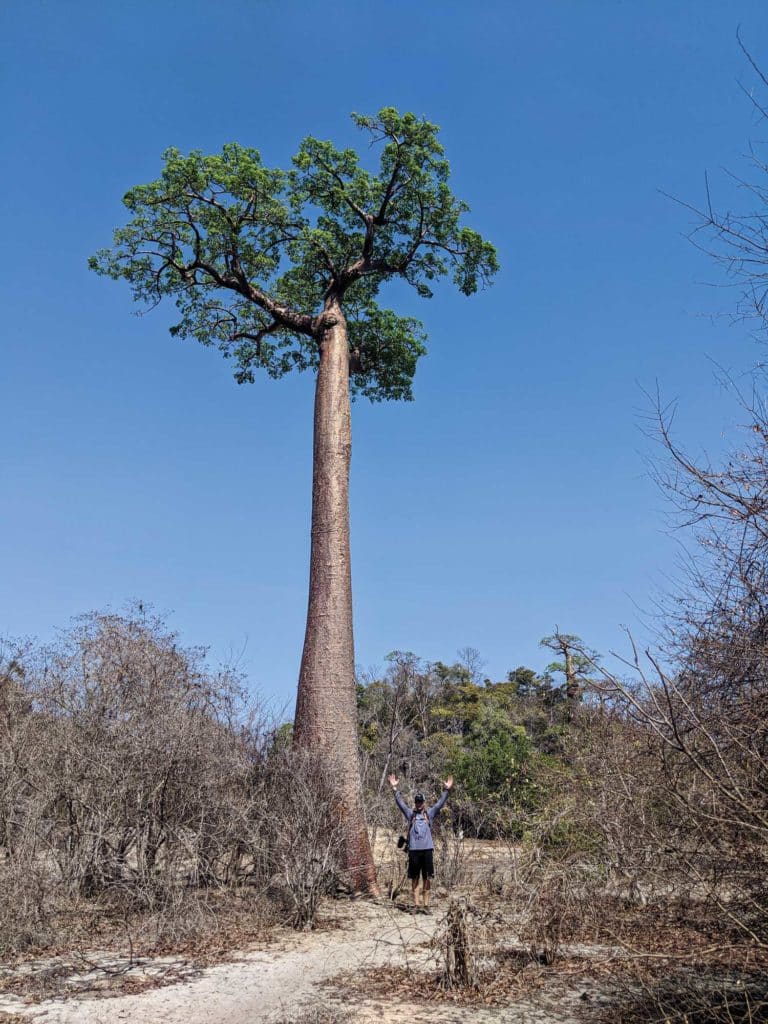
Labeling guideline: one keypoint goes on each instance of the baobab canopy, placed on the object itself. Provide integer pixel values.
(251, 254)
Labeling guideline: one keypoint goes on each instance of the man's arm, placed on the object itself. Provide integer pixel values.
(435, 808)
(399, 800)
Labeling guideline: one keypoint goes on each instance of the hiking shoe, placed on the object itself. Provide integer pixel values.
(427, 910)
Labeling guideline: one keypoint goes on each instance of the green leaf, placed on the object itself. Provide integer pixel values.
(252, 256)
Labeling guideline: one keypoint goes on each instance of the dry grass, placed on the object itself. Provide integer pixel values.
(689, 996)
(320, 1014)
(511, 976)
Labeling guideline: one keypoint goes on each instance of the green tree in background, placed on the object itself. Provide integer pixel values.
(537, 703)
(282, 269)
(522, 682)
(576, 662)
(495, 755)
(503, 741)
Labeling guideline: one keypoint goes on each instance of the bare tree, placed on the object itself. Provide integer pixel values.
(471, 659)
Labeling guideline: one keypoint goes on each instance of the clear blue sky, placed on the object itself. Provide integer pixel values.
(512, 495)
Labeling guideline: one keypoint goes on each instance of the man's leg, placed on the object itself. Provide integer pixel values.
(415, 891)
(413, 873)
(428, 870)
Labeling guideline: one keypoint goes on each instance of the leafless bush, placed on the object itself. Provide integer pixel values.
(690, 997)
(459, 969)
(17, 740)
(451, 856)
(142, 763)
(26, 907)
(495, 879)
(679, 793)
(305, 824)
(392, 869)
(133, 777)
(558, 907)
(706, 710)
(546, 917)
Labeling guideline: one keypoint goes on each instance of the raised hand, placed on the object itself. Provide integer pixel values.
(392, 780)
(448, 782)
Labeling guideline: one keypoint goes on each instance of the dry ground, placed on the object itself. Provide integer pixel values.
(293, 981)
(354, 968)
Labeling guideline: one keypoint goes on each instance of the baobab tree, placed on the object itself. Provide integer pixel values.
(577, 662)
(281, 269)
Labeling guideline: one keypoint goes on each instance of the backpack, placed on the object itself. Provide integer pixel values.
(404, 842)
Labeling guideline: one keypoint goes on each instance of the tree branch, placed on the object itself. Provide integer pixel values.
(364, 217)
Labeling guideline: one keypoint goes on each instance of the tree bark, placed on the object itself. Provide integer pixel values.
(326, 709)
(572, 688)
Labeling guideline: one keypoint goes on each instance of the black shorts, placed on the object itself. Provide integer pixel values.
(421, 862)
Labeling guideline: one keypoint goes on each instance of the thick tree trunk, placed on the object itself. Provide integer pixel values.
(572, 688)
(326, 712)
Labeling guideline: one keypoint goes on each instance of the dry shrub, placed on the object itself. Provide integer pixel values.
(545, 921)
(457, 945)
(691, 997)
(451, 856)
(137, 786)
(659, 842)
(672, 792)
(130, 764)
(305, 826)
(27, 911)
(495, 879)
(392, 868)
(554, 896)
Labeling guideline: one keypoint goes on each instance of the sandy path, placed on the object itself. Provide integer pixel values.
(262, 986)
(275, 985)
